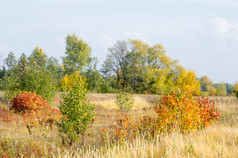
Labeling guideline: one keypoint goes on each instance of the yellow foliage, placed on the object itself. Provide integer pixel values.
(140, 46)
(69, 80)
(187, 79)
(236, 86)
(212, 90)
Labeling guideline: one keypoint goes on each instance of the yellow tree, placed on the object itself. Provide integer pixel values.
(68, 81)
(207, 86)
(235, 90)
(187, 79)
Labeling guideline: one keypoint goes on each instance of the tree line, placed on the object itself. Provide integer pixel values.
(133, 66)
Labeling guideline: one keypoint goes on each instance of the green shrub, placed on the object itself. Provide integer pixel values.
(124, 101)
(77, 112)
(235, 90)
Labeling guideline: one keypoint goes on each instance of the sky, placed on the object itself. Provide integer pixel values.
(201, 34)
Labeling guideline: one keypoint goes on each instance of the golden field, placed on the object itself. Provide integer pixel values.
(218, 140)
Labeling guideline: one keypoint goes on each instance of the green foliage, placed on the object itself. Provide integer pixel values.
(77, 54)
(94, 78)
(220, 89)
(38, 58)
(140, 67)
(207, 86)
(30, 75)
(124, 101)
(54, 68)
(235, 90)
(229, 88)
(77, 112)
(10, 61)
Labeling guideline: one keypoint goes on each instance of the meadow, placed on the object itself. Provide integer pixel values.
(217, 140)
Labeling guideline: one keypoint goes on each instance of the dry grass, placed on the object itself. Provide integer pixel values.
(218, 140)
(107, 101)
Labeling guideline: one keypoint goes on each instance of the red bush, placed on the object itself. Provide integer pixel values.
(208, 111)
(34, 109)
(28, 102)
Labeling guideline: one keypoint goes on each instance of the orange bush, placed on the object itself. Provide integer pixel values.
(208, 110)
(176, 111)
(33, 108)
(180, 111)
(123, 131)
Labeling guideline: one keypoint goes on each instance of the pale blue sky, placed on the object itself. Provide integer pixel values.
(201, 34)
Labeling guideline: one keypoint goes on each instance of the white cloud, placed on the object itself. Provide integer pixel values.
(220, 25)
(106, 39)
(134, 35)
(224, 29)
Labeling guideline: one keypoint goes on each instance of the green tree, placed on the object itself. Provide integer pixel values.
(207, 86)
(94, 78)
(140, 67)
(124, 102)
(220, 89)
(38, 58)
(30, 74)
(229, 88)
(115, 63)
(77, 54)
(10, 62)
(77, 112)
(53, 66)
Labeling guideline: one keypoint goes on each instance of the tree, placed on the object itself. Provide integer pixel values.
(69, 81)
(229, 88)
(77, 54)
(139, 67)
(53, 66)
(38, 58)
(207, 86)
(116, 62)
(10, 62)
(94, 78)
(22, 63)
(77, 112)
(29, 74)
(235, 90)
(220, 89)
(187, 79)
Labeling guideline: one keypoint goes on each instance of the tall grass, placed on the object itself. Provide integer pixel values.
(218, 140)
